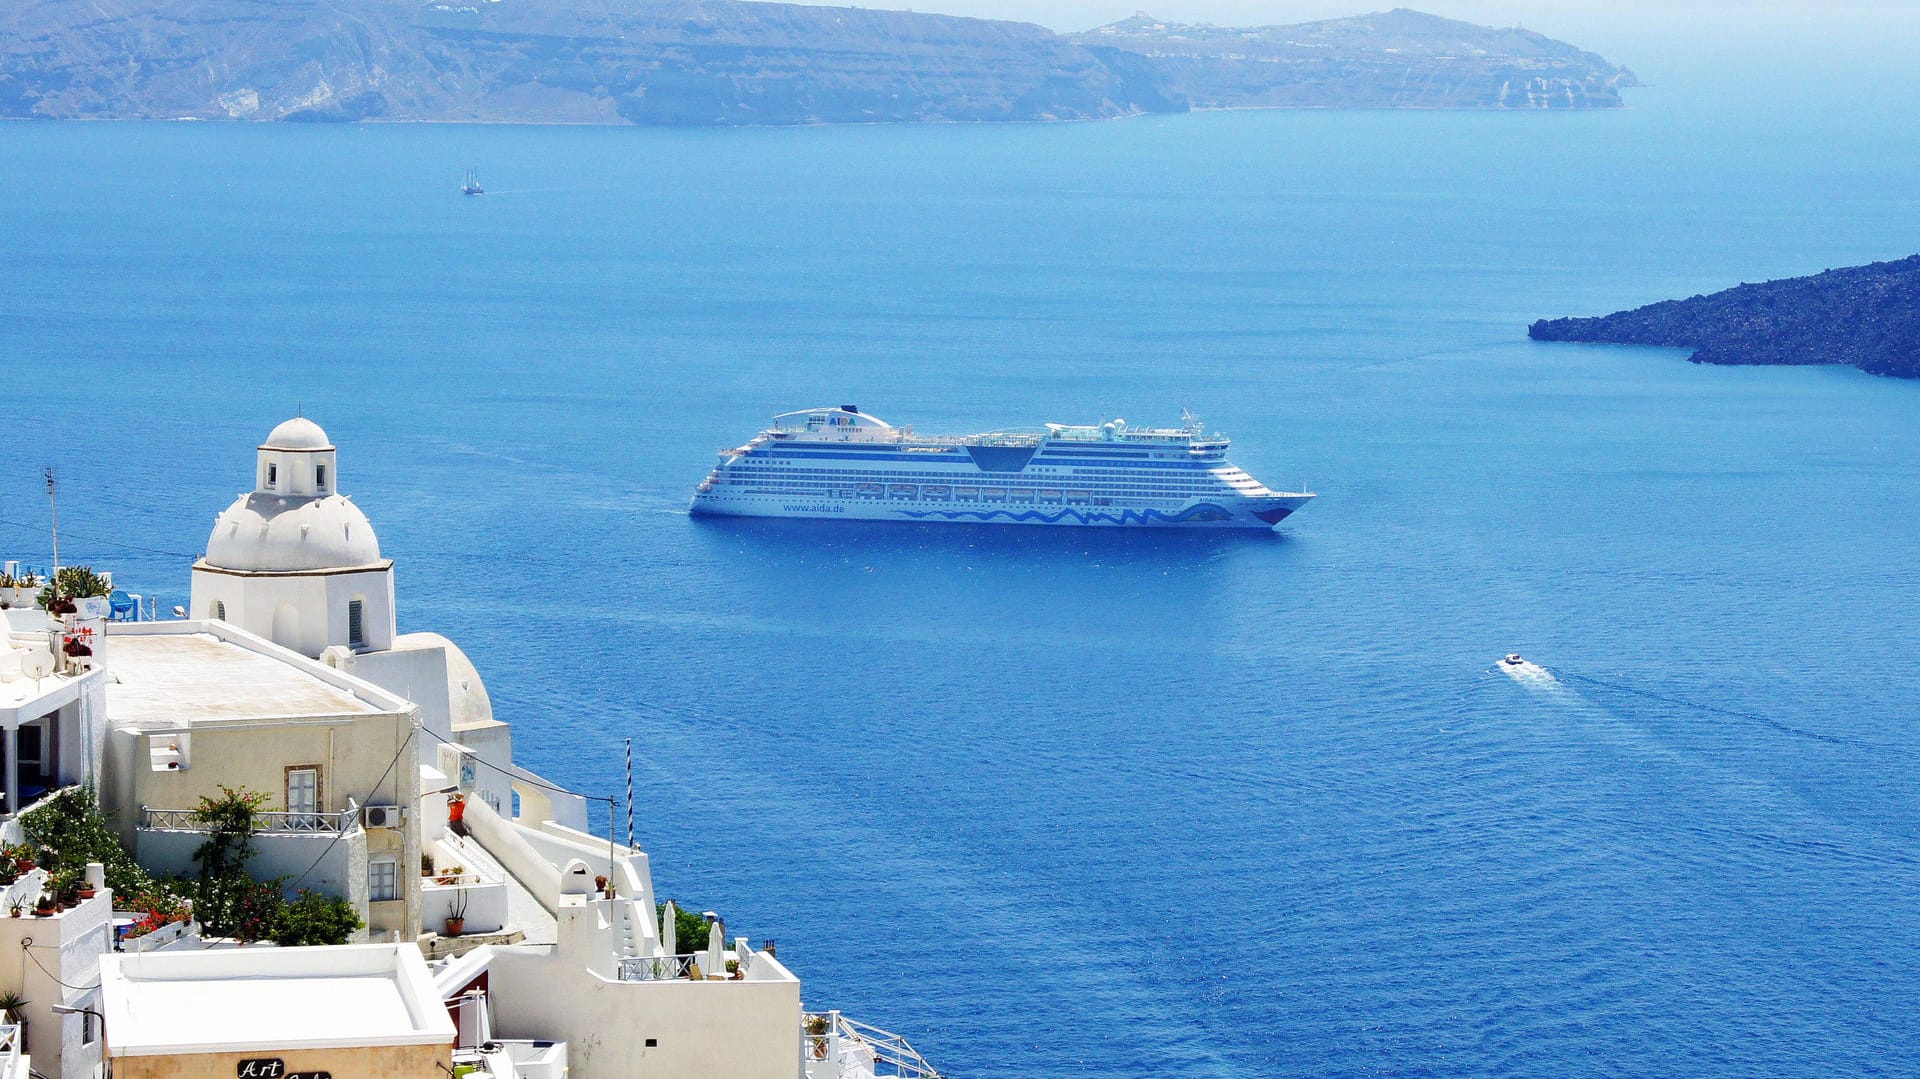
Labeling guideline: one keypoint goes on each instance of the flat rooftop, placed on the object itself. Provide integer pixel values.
(163, 680)
(248, 999)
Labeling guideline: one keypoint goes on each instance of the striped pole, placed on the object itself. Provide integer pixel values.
(629, 794)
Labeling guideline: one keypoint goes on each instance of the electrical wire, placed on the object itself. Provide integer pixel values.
(108, 542)
(524, 778)
(26, 945)
(338, 836)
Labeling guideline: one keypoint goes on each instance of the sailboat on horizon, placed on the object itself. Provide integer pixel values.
(472, 186)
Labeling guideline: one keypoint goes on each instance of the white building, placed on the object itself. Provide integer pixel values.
(355, 1010)
(197, 706)
(296, 562)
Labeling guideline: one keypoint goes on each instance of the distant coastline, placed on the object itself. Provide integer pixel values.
(735, 63)
(1864, 316)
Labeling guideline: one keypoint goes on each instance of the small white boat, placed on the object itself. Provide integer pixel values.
(1513, 660)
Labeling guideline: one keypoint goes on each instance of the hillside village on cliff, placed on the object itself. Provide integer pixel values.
(273, 836)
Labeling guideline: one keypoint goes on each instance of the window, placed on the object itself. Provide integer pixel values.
(273, 475)
(356, 624)
(383, 880)
(220, 609)
(319, 477)
(303, 797)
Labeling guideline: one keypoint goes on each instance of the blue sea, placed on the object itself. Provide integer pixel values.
(1087, 803)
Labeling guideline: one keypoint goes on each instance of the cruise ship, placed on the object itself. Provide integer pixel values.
(844, 463)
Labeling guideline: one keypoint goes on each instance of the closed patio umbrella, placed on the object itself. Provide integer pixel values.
(716, 949)
(668, 943)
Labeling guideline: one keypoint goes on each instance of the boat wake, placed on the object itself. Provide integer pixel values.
(1526, 672)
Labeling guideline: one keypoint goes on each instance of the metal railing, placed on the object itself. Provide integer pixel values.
(833, 1039)
(659, 968)
(274, 822)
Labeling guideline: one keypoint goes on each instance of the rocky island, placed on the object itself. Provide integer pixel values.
(1866, 316)
(724, 62)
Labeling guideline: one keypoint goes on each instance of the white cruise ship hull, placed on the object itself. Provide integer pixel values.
(842, 464)
(1246, 513)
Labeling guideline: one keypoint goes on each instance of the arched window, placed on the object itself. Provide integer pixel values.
(220, 609)
(356, 624)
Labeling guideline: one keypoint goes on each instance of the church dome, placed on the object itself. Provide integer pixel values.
(267, 533)
(298, 433)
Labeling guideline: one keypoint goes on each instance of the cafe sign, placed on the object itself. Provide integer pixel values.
(272, 1068)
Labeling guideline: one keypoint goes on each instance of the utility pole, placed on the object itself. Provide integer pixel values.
(53, 498)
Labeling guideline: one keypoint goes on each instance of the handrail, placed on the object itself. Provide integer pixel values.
(271, 822)
(840, 1036)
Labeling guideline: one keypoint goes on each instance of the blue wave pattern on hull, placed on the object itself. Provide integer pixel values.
(1206, 511)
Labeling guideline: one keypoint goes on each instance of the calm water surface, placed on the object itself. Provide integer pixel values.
(1077, 803)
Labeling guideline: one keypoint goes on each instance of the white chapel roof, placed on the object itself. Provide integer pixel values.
(298, 433)
(265, 532)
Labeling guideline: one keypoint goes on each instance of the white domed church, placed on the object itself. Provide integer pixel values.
(295, 561)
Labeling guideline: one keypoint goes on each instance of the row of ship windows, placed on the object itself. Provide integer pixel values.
(883, 480)
(1196, 483)
(787, 469)
(943, 492)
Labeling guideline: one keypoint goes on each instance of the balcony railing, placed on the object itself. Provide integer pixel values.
(832, 1040)
(269, 823)
(10, 1040)
(659, 968)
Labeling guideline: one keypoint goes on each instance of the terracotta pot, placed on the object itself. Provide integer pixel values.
(455, 926)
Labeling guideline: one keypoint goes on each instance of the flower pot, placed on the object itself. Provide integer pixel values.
(455, 926)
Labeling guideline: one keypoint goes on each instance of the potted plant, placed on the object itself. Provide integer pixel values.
(22, 856)
(18, 906)
(44, 906)
(816, 1028)
(457, 914)
(64, 886)
(733, 970)
(426, 864)
(13, 1007)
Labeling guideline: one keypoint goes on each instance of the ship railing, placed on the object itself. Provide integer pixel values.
(831, 1042)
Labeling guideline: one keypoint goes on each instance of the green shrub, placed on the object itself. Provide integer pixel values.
(70, 583)
(226, 899)
(71, 831)
(313, 918)
(689, 928)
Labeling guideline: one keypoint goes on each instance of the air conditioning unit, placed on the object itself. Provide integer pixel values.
(381, 816)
